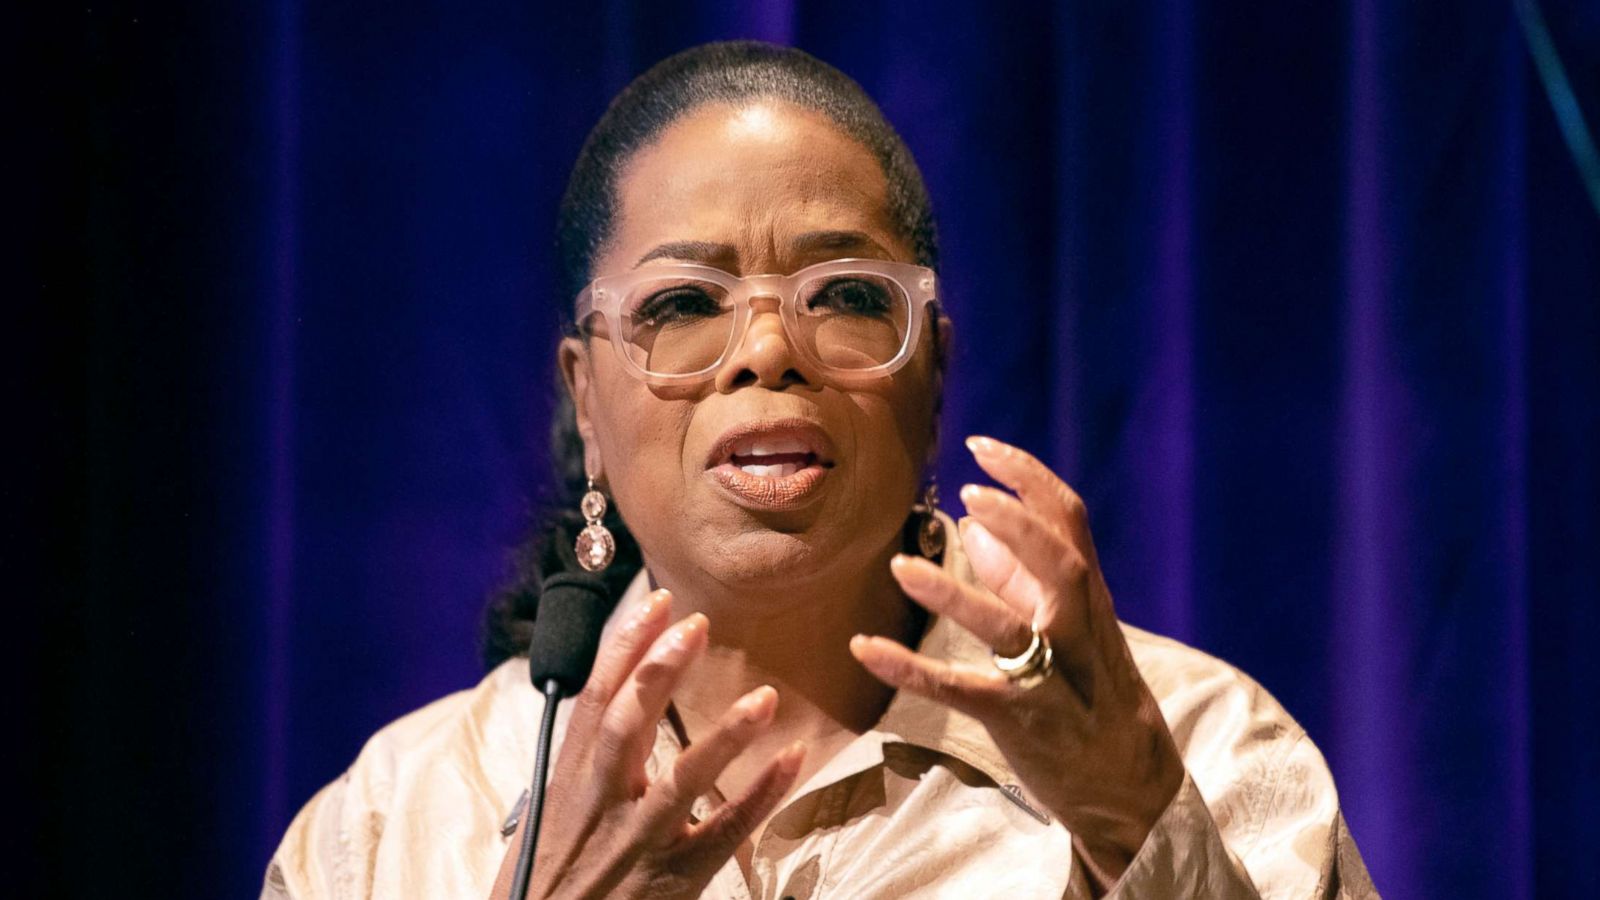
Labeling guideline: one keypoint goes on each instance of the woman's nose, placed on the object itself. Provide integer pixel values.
(765, 356)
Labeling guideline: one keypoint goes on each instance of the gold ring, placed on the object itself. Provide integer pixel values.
(1031, 667)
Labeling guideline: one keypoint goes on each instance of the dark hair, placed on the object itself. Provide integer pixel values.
(726, 72)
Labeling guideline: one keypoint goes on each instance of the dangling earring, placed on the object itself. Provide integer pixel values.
(930, 529)
(595, 546)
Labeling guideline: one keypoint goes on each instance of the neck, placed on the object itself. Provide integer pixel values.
(798, 642)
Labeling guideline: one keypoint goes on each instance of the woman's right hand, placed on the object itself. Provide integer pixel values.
(607, 830)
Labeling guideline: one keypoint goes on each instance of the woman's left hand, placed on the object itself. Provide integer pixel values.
(1089, 743)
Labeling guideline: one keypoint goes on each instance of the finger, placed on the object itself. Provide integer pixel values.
(1040, 489)
(1056, 566)
(628, 727)
(622, 648)
(711, 843)
(1000, 571)
(694, 773)
(995, 622)
(973, 689)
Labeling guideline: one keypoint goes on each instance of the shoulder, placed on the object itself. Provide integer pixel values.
(458, 727)
(413, 763)
(1263, 779)
(1199, 692)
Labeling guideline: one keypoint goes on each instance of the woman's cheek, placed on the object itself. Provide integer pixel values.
(889, 465)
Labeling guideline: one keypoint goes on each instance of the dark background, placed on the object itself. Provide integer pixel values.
(1302, 296)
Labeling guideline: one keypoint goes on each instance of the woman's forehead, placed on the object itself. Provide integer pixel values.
(770, 180)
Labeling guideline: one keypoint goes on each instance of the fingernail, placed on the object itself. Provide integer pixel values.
(679, 639)
(758, 705)
(648, 607)
(793, 755)
(907, 569)
(858, 643)
(684, 633)
(974, 495)
(984, 446)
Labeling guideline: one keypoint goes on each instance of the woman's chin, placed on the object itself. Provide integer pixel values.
(762, 557)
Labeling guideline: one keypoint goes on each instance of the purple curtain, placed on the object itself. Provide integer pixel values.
(1301, 296)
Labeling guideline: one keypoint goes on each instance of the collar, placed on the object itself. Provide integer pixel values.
(915, 720)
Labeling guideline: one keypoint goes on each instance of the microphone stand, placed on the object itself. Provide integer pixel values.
(535, 811)
(561, 651)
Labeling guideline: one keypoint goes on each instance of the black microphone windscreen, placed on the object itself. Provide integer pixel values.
(566, 632)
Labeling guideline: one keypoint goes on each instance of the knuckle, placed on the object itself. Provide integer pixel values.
(1077, 510)
(738, 821)
(669, 792)
(612, 738)
(1021, 637)
(590, 700)
(687, 771)
(1074, 568)
(942, 685)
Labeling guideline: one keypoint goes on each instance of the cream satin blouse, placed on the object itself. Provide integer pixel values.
(923, 805)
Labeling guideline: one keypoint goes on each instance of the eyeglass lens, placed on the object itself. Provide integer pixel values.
(677, 325)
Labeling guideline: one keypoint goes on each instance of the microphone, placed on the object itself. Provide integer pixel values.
(566, 635)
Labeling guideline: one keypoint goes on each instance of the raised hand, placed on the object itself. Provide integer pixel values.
(607, 830)
(1089, 742)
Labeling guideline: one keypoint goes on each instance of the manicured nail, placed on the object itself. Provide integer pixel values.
(791, 757)
(908, 570)
(977, 495)
(985, 446)
(758, 705)
(648, 607)
(686, 629)
(679, 639)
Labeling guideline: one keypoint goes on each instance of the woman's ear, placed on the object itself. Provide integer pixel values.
(572, 358)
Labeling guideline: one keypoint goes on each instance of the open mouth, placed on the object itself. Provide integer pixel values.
(771, 457)
(775, 464)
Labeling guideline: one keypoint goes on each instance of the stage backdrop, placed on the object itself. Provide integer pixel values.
(1301, 296)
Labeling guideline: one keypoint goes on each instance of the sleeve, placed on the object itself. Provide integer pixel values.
(1292, 844)
(305, 862)
(329, 849)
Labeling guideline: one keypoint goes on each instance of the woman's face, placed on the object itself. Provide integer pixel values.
(764, 187)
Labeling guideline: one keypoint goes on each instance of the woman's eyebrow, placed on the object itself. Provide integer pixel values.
(856, 241)
(706, 252)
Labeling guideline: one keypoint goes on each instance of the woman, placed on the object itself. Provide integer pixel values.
(813, 684)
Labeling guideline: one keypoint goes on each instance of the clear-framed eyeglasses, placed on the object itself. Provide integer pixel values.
(853, 319)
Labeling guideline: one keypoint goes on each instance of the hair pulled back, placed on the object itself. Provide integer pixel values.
(724, 72)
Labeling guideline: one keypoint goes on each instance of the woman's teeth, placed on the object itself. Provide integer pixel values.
(780, 470)
(771, 457)
(770, 446)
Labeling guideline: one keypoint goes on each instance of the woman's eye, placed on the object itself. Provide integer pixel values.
(676, 305)
(851, 297)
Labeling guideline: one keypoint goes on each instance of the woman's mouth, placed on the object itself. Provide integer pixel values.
(772, 465)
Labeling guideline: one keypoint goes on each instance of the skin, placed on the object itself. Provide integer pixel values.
(811, 603)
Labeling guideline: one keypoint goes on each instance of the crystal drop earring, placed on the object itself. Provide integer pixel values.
(595, 545)
(930, 529)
